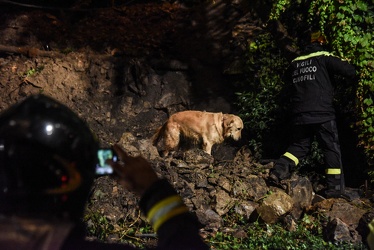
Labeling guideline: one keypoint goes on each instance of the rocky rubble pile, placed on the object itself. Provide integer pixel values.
(238, 188)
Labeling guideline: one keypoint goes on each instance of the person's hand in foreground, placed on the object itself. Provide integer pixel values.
(134, 173)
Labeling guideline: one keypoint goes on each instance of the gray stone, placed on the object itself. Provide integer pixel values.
(339, 232)
(223, 202)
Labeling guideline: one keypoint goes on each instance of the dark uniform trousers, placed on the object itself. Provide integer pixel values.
(327, 137)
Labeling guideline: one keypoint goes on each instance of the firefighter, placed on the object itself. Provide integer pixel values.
(309, 78)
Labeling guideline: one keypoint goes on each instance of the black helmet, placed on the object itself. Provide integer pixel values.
(47, 159)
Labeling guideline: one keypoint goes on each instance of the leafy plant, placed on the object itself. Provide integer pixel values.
(129, 232)
(98, 225)
(33, 71)
(257, 101)
(350, 28)
(306, 235)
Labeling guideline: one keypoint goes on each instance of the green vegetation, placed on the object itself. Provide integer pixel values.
(258, 99)
(33, 71)
(129, 232)
(349, 25)
(349, 28)
(306, 235)
(259, 108)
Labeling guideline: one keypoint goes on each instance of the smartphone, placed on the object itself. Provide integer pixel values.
(104, 154)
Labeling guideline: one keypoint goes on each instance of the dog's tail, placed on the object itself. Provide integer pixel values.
(158, 134)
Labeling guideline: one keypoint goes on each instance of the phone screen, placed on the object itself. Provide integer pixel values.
(104, 154)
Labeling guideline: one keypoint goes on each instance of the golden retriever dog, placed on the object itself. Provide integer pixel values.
(199, 127)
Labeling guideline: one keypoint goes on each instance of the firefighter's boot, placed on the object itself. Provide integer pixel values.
(282, 167)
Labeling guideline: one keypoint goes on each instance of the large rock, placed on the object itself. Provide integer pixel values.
(252, 188)
(341, 209)
(223, 202)
(274, 206)
(210, 219)
(301, 191)
(338, 232)
(362, 227)
(246, 208)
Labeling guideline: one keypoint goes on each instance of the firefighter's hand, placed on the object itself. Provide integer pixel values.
(134, 173)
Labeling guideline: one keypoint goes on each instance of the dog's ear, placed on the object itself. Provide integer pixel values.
(227, 120)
